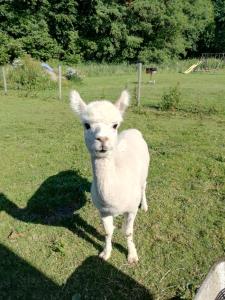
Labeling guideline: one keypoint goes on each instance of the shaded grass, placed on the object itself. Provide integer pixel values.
(46, 174)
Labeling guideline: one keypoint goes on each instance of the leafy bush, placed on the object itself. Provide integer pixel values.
(9, 49)
(72, 53)
(38, 42)
(29, 75)
(171, 99)
(74, 75)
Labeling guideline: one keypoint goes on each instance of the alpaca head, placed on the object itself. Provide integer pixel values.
(101, 120)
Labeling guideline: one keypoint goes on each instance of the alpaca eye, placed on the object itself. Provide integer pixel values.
(115, 126)
(87, 126)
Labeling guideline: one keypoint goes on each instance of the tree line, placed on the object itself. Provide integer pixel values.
(111, 31)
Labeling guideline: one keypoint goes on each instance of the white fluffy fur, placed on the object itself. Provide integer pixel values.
(120, 165)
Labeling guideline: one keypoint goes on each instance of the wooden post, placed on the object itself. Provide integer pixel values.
(4, 80)
(60, 82)
(139, 84)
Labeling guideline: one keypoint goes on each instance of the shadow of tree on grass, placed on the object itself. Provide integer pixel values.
(93, 279)
(57, 202)
(54, 203)
(57, 198)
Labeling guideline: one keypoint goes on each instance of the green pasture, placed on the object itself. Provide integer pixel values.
(51, 234)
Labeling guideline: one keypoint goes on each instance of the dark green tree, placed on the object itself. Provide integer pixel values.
(111, 31)
(24, 21)
(102, 29)
(63, 23)
(9, 48)
(167, 28)
(218, 43)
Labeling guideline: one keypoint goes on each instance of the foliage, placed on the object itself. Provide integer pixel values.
(73, 75)
(29, 75)
(107, 31)
(212, 39)
(219, 35)
(9, 48)
(29, 28)
(171, 99)
(38, 43)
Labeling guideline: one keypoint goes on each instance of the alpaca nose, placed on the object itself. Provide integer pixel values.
(102, 139)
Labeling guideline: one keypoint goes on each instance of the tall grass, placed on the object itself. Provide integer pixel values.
(28, 75)
(93, 69)
(178, 66)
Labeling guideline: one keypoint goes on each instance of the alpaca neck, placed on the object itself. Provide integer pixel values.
(103, 168)
(104, 173)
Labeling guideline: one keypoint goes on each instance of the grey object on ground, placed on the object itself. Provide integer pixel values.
(213, 287)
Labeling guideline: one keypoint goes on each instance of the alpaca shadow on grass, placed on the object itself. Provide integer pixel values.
(93, 279)
(57, 202)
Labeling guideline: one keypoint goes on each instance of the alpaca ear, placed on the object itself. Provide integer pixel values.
(123, 101)
(76, 103)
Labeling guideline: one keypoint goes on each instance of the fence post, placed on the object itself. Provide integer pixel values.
(60, 81)
(139, 84)
(4, 80)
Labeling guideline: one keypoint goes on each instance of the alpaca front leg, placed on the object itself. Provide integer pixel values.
(108, 226)
(129, 224)
(144, 204)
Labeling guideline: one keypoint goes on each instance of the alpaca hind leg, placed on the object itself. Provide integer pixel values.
(108, 226)
(144, 204)
(128, 228)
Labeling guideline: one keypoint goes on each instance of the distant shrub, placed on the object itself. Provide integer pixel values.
(171, 98)
(157, 56)
(74, 75)
(28, 74)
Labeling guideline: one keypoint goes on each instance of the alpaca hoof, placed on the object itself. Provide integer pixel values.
(132, 259)
(105, 255)
(144, 207)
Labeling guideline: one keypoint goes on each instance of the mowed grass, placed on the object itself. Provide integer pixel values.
(51, 234)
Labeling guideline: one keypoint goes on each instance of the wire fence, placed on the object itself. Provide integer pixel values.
(33, 76)
(11, 79)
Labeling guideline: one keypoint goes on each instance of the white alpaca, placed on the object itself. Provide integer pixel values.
(120, 165)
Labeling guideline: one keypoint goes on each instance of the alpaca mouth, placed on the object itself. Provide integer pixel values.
(102, 151)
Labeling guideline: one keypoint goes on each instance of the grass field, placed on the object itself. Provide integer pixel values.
(50, 233)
